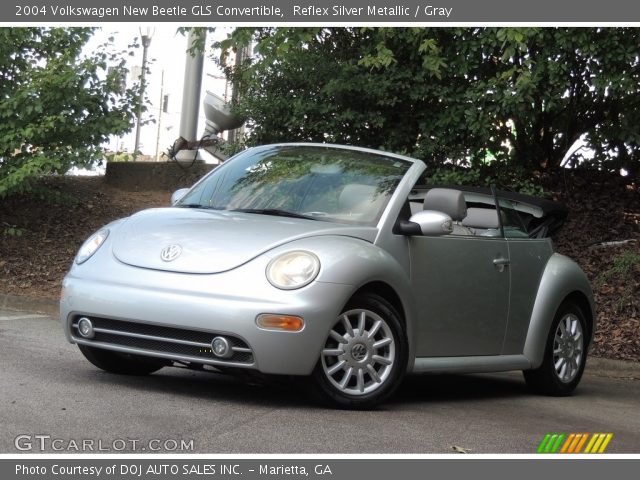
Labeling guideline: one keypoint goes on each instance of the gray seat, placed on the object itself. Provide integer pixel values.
(451, 202)
(483, 222)
(415, 207)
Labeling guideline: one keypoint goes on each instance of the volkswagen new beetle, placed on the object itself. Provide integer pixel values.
(333, 262)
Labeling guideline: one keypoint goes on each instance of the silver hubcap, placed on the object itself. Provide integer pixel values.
(568, 348)
(359, 352)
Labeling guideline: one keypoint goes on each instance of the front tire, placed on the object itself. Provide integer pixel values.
(565, 354)
(120, 363)
(364, 356)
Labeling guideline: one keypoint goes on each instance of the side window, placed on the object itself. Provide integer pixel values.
(512, 222)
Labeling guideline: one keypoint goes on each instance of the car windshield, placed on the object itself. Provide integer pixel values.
(315, 182)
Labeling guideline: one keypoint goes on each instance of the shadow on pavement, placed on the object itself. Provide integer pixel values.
(295, 392)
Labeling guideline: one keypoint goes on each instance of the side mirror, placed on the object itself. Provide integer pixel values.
(432, 223)
(178, 194)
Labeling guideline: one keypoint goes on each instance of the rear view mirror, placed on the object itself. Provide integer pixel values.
(178, 194)
(432, 223)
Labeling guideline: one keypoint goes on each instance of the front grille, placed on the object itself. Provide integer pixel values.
(190, 344)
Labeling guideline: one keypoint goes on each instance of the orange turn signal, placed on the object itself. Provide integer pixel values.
(289, 323)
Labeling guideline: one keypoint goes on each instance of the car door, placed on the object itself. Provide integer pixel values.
(528, 258)
(461, 286)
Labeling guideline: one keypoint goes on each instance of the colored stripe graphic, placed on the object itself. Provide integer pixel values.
(598, 443)
(558, 442)
(606, 442)
(574, 442)
(544, 441)
(567, 444)
(551, 442)
(590, 444)
(581, 443)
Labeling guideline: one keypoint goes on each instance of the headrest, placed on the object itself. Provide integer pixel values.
(447, 201)
(481, 218)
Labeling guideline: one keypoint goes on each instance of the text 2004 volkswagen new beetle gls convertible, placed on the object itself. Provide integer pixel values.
(329, 261)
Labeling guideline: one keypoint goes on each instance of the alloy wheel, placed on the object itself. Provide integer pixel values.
(568, 348)
(359, 354)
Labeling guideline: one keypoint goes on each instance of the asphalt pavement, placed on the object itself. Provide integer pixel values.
(52, 399)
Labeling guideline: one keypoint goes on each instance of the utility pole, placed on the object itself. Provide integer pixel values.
(160, 110)
(191, 90)
(146, 41)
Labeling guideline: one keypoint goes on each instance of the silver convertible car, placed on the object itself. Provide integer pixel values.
(334, 263)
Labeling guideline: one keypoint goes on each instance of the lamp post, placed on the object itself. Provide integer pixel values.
(160, 110)
(146, 41)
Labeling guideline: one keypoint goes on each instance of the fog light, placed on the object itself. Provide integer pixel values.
(221, 348)
(85, 328)
(289, 323)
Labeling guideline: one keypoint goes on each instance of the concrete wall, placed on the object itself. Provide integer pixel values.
(154, 175)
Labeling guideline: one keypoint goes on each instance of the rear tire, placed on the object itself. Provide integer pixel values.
(120, 363)
(364, 357)
(565, 354)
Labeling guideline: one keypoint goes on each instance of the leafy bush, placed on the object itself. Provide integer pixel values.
(57, 107)
(119, 157)
(447, 94)
(484, 177)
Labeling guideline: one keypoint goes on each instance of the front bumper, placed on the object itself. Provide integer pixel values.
(153, 303)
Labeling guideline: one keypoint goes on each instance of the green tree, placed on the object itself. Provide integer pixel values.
(57, 106)
(518, 97)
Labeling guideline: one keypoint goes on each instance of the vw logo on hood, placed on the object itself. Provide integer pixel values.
(170, 252)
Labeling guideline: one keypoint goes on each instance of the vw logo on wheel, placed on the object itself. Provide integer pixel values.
(358, 352)
(170, 252)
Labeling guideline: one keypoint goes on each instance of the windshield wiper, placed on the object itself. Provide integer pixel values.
(273, 211)
(189, 205)
(196, 205)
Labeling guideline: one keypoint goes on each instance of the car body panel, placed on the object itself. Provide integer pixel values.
(462, 297)
(528, 259)
(471, 364)
(212, 241)
(210, 303)
(562, 277)
(214, 302)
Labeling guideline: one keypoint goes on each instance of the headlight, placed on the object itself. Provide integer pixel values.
(293, 270)
(91, 246)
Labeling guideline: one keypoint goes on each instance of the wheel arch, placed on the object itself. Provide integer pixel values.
(386, 291)
(365, 267)
(385, 305)
(562, 280)
(391, 295)
(581, 300)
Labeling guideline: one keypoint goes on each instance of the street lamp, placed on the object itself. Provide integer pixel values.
(146, 41)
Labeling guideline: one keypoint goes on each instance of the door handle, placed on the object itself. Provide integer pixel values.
(500, 263)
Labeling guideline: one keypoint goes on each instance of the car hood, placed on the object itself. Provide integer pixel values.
(213, 241)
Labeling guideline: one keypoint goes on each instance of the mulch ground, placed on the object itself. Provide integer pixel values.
(602, 234)
(34, 260)
(39, 238)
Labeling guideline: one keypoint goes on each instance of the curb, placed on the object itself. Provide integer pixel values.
(606, 367)
(597, 366)
(30, 304)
